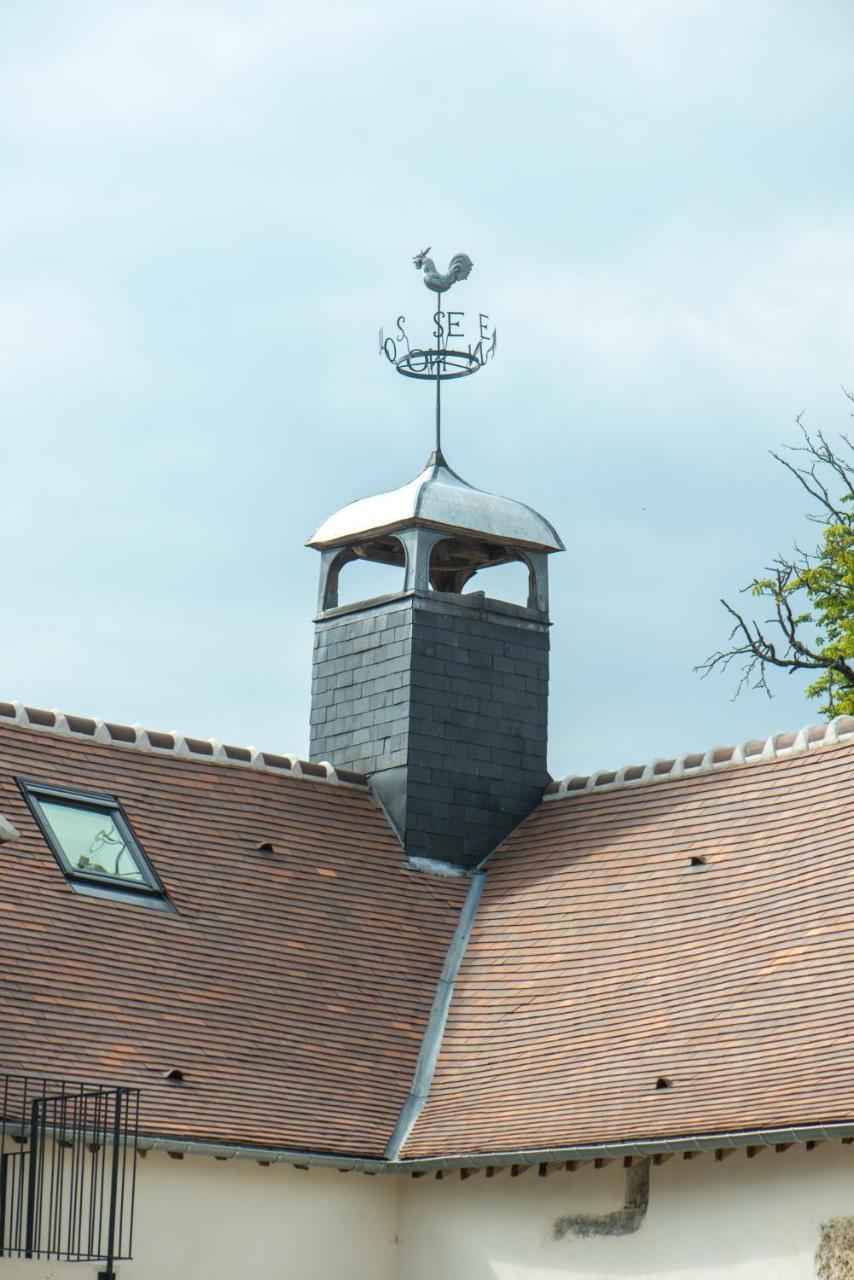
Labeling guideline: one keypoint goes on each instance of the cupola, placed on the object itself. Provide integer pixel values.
(437, 691)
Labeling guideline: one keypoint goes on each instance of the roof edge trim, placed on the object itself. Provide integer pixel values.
(155, 742)
(723, 1140)
(752, 751)
(432, 1042)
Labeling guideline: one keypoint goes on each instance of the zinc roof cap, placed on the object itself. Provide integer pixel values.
(441, 499)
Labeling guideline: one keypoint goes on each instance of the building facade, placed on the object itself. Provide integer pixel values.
(412, 1008)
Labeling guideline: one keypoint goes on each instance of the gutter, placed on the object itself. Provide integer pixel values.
(725, 1140)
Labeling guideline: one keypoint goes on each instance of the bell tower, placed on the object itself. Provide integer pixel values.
(437, 691)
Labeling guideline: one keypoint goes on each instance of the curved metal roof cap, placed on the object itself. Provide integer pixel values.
(439, 497)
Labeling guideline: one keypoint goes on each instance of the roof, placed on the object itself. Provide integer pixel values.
(603, 961)
(293, 988)
(439, 498)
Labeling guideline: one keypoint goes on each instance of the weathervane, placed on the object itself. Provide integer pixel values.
(450, 354)
(459, 269)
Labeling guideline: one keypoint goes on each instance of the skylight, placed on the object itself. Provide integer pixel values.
(91, 838)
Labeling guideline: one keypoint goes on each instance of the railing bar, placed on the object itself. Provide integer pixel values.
(79, 1157)
(24, 1158)
(92, 1181)
(41, 1171)
(4, 1165)
(59, 1150)
(104, 1127)
(32, 1176)
(74, 1207)
(124, 1145)
(67, 1153)
(109, 1273)
(4, 1168)
(51, 1201)
(134, 1156)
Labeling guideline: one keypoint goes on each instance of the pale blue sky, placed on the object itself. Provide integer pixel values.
(207, 211)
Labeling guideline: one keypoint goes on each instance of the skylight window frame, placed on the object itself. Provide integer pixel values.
(149, 889)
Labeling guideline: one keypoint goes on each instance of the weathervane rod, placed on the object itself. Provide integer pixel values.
(438, 401)
(440, 360)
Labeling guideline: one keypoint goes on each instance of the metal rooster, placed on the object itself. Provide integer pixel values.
(458, 269)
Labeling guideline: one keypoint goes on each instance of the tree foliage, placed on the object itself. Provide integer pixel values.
(811, 593)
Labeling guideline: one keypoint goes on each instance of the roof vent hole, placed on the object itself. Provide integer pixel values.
(174, 1073)
(663, 1083)
(266, 846)
(697, 861)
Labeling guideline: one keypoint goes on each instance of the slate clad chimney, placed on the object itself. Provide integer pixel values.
(436, 691)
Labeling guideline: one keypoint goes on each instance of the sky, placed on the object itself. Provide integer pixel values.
(209, 209)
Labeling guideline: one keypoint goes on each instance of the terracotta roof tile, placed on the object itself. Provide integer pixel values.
(291, 986)
(699, 930)
(605, 957)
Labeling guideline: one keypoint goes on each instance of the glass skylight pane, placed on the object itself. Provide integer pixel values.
(91, 841)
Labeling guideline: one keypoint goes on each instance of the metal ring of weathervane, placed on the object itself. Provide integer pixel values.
(439, 362)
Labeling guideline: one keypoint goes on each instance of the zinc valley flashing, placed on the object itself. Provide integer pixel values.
(177, 745)
(779, 746)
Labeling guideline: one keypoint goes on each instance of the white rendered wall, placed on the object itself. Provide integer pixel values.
(741, 1219)
(204, 1219)
(201, 1219)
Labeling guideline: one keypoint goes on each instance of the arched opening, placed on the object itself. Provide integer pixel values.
(364, 571)
(510, 582)
(500, 571)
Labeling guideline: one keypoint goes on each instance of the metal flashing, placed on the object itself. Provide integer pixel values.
(439, 498)
(432, 1042)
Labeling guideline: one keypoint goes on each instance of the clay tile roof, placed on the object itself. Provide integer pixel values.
(689, 921)
(698, 930)
(291, 987)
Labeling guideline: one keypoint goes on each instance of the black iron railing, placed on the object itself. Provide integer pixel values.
(67, 1170)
